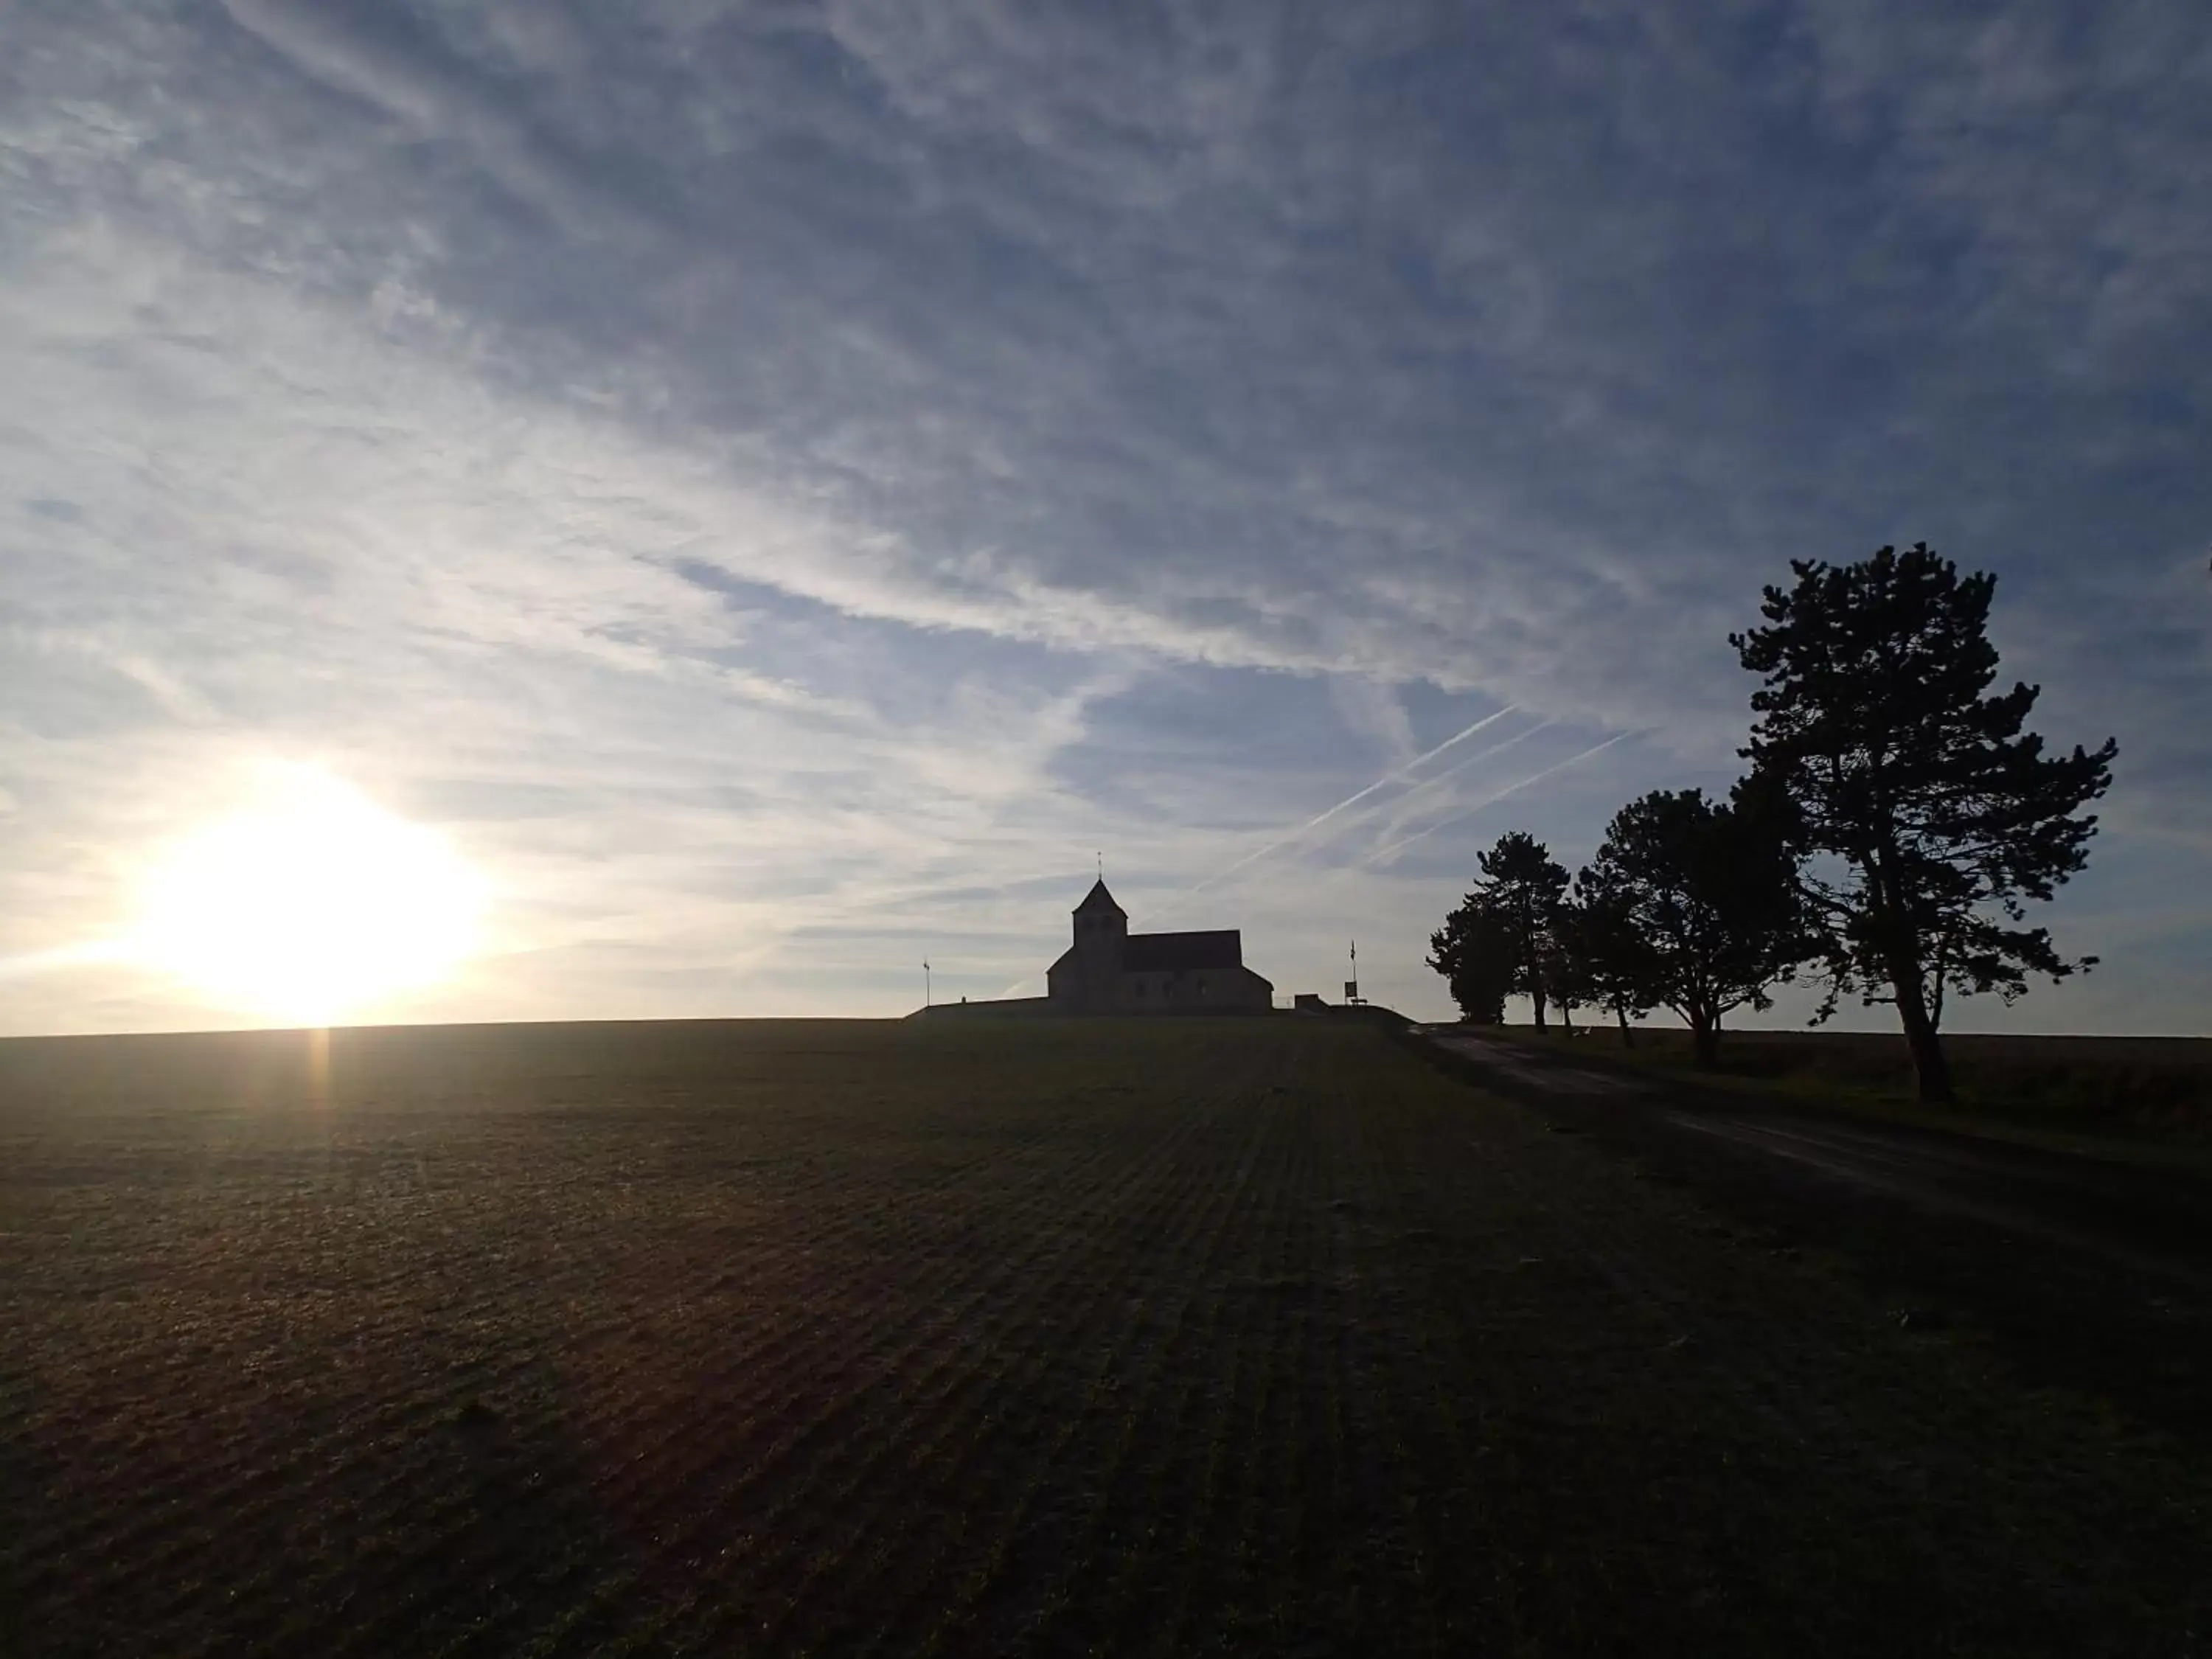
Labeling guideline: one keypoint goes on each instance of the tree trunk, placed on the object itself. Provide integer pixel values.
(1900, 954)
(1536, 996)
(1628, 1032)
(1705, 1042)
(1929, 1065)
(1567, 1016)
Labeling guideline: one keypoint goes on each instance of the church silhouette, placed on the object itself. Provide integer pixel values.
(1111, 970)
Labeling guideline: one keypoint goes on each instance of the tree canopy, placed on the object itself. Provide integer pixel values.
(1523, 886)
(1602, 957)
(1499, 939)
(1897, 819)
(1693, 907)
(1474, 954)
(1927, 813)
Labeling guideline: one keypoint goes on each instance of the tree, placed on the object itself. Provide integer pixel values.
(1523, 888)
(1474, 954)
(1606, 955)
(1706, 891)
(1926, 804)
(1566, 981)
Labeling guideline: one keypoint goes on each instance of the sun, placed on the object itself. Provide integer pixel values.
(314, 906)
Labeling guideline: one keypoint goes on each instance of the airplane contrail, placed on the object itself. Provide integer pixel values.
(1351, 799)
(1394, 808)
(1397, 847)
(1396, 805)
(1451, 772)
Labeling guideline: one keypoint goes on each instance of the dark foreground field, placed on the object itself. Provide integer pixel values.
(830, 1337)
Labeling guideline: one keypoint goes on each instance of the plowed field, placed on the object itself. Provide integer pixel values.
(845, 1338)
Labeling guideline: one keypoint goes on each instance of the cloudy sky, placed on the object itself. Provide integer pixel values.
(779, 489)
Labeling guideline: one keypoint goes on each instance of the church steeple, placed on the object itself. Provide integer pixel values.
(1100, 925)
(1099, 900)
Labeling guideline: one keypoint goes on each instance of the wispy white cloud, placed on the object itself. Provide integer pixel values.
(764, 475)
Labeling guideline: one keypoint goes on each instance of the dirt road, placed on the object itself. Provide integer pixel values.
(2088, 1268)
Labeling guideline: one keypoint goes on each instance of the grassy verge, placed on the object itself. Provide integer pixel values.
(2154, 1094)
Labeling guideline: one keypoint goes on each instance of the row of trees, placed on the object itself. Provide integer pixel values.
(1895, 821)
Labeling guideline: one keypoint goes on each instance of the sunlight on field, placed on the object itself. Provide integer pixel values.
(309, 906)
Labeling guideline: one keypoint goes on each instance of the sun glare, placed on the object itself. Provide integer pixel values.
(312, 907)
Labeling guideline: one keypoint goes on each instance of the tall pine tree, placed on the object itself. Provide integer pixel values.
(1930, 814)
(1523, 887)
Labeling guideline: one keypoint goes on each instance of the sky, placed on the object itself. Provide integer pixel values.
(781, 491)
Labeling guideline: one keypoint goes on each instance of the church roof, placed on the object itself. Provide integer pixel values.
(1154, 953)
(1099, 899)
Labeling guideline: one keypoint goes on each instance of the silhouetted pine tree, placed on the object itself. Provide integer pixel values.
(1523, 888)
(1931, 805)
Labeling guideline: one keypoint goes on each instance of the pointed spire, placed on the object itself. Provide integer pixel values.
(1099, 899)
